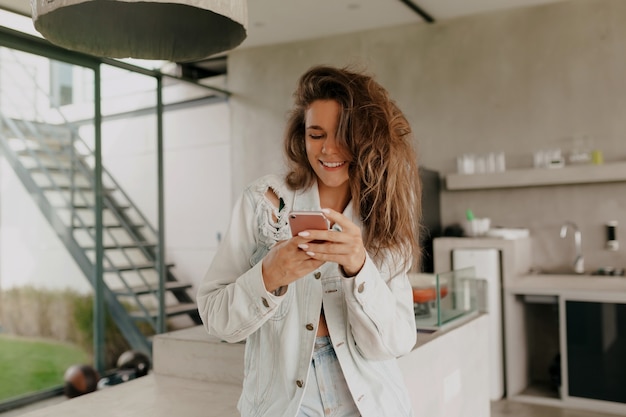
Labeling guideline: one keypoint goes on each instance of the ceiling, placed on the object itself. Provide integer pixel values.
(278, 21)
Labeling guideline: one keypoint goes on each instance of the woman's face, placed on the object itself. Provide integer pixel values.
(327, 157)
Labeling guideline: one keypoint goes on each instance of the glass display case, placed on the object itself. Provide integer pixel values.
(441, 299)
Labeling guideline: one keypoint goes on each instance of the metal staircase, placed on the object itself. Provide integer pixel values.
(57, 168)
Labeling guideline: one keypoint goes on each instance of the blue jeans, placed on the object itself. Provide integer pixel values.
(327, 394)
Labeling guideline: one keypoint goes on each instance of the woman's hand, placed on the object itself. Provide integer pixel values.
(285, 263)
(344, 248)
(289, 260)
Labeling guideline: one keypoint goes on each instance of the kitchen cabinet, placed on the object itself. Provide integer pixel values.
(566, 341)
(596, 350)
(535, 177)
(541, 322)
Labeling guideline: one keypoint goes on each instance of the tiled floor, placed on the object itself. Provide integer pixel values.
(498, 409)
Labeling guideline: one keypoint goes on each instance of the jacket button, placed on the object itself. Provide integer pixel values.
(317, 275)
(265, 303)
(310, 327)
(361, 287)
(299, 383)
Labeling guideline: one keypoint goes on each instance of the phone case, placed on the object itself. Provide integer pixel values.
(307, 220)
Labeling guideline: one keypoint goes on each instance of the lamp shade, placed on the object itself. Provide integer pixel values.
(180, 30)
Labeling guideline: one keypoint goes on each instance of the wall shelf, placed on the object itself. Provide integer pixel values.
(535, 177)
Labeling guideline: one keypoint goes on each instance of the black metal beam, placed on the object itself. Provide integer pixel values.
(417, 9)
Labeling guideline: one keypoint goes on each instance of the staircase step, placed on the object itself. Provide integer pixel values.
(182, 308)
(86, 207)
(170, 311)
(55, 169)
(146, 289)
(134, 245)
(76, 187)
(111, 226)
(150, 265)
(193, 353)
(48, 141)
(50, 151)
(47, 157)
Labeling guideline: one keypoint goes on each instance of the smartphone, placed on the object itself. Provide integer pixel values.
(307, 220)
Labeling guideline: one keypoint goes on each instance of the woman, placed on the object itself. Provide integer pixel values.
(325, 313)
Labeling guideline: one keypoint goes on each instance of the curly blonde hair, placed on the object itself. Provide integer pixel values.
(383, 173)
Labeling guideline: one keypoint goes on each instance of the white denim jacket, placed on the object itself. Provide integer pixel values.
(370, 316)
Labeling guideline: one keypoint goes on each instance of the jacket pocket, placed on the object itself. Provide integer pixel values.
(259, 370)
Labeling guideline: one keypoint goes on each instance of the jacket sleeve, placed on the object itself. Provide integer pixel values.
(232, 299)
(380, 311)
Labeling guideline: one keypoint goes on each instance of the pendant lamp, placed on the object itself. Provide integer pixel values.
(174, 30)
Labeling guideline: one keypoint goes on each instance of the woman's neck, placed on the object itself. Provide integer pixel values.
(336, 198)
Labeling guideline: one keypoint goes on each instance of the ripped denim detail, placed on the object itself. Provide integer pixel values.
(271, 231)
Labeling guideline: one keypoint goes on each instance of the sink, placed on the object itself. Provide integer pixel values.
(557, 271)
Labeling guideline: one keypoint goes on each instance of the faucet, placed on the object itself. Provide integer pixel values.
(579, 262)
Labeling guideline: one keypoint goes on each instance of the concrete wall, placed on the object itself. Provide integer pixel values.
(515, 81)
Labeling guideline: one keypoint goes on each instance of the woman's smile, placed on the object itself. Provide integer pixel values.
(332, 165)
(327, 155)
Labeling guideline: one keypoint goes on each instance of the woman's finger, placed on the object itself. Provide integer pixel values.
(338, 218)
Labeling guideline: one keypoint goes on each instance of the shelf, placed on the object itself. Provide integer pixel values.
(535, 177)
(541, 389)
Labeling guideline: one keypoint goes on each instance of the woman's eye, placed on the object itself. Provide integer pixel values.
(315, 136)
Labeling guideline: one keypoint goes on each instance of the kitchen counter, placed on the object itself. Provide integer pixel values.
(197, 375)
(571, 286)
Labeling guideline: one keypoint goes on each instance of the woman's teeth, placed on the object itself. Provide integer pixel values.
(332, 164)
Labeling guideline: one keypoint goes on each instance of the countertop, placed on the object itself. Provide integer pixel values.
(447, 379)
(571, 286)
(154, 396)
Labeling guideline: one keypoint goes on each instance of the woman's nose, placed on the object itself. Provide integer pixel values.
(330, 145)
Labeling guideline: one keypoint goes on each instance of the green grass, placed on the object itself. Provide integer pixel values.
(30, 365)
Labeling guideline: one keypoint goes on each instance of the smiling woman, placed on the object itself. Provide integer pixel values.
(327, 312)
